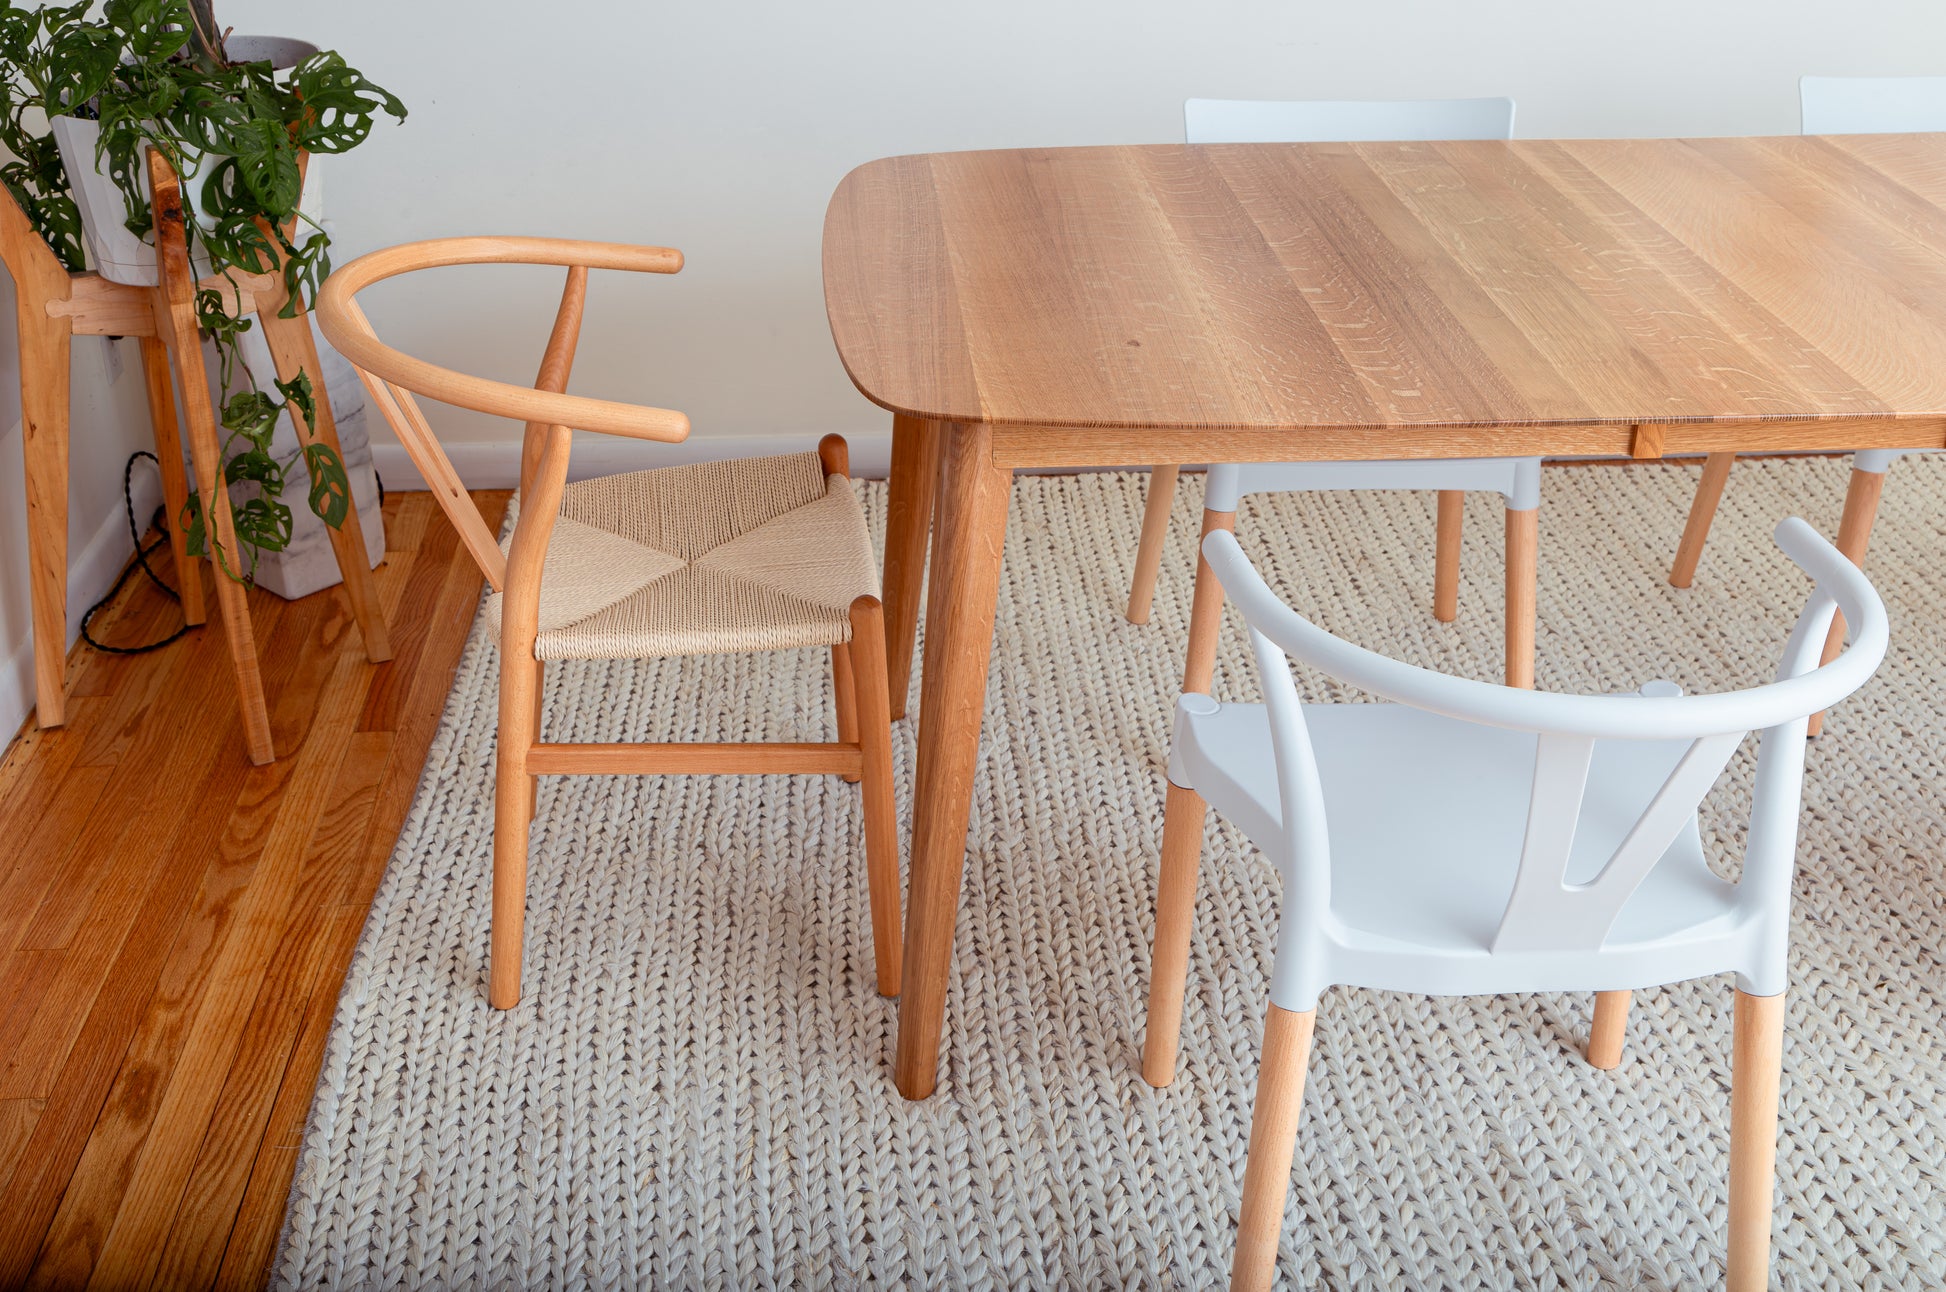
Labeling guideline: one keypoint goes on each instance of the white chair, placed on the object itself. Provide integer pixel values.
(1831, 105)
(1472, 838)
(1211, 121)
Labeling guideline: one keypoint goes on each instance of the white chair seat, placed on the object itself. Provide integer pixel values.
(1427, 816)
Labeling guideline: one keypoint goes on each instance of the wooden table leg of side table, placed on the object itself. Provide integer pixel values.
(908, 522)
(972, 524)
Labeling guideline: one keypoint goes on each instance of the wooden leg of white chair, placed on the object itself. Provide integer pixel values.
(1273, 1144)
(1446, 555)
(1523, 569)
(1702, 510)
(1155, 532)
(874, 720)
(1609, 1030)
(513, 814)
(1175, 918)
(844, 688)
(1854, 536)
(1755, 1069)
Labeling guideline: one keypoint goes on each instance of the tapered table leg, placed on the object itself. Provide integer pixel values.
(908, 522)
(972, 530)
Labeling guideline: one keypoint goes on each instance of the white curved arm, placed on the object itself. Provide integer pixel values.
(1800, 691)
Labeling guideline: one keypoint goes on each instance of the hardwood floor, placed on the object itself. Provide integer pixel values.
(175, 924)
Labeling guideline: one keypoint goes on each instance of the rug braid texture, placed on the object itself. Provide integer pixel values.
(696, 1091)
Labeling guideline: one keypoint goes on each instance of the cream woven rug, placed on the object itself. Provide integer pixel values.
(696, 1090)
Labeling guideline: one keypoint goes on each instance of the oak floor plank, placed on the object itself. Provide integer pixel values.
(198, 916)
(133, 1246)
(241, 1117)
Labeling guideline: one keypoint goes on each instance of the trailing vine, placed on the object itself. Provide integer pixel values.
(154, 75)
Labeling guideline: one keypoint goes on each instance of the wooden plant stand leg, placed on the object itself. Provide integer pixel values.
(959, 644)
(1854, 536)
(46, 345)
(1446, 555)
(176, 321)
(1155, 533)
(1702, 511)
(293, 349)
(1273, 1144)
(175, 483)
(908, 524)
(1184, 812)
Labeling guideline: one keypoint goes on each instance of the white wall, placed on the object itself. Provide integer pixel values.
(721, 128)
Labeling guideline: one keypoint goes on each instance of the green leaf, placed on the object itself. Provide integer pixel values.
(330, 485)
(340, 103)
(263, 524)
(191, 521)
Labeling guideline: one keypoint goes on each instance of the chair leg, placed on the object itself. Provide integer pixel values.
(1446, 555)
(1609, 1030)
(513, 814)
(540, 691)
(1755, 1069)
(874, 724)
(1273, 1144)
(1702, 511)
(844, 688)
(1175, 917)
(1155, 532)
(1523, 556)
(1854, 536)
(175, 484)
(1182, 841)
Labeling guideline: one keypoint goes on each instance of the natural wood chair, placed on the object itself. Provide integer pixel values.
(53, 307)
(1462, 838)
(756, 554)
(1226, 121)
(1831, 105)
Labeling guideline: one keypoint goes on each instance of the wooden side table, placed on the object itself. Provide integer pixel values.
(53, 307)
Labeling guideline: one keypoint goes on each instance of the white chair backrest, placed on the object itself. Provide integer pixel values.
(1544, 912)
(1271, 121)
(1872, 105)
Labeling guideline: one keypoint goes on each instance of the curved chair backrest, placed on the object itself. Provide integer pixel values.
(1543, 911)
(393, 377)
(1871, 105)
(1273, 121)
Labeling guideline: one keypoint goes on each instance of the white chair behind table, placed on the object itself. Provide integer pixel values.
(1468, 838)
(1832, 105)
(1211, 121)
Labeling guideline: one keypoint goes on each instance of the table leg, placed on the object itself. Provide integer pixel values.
(908, 520)
(972, 523)
(1854, 536)
(1523, 554)
(45, 348)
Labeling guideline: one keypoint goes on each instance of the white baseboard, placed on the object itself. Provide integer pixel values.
(495, 464)
(91, 572)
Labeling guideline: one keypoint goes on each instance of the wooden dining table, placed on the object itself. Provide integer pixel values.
(1086, 307)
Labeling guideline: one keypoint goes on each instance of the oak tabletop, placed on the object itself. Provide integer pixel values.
(1525, 283)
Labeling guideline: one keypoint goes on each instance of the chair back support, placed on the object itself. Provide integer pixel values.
(393, 378)
(1271, 121)
(1545, 912)
(1871, 105)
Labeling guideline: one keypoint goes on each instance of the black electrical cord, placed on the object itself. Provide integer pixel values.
(141, 562)
(160, 522)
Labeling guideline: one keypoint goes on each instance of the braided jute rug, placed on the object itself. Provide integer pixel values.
(696, 1090)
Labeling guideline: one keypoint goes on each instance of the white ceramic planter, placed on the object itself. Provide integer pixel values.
(117, 254)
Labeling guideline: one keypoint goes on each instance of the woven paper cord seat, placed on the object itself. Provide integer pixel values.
(751, 554)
